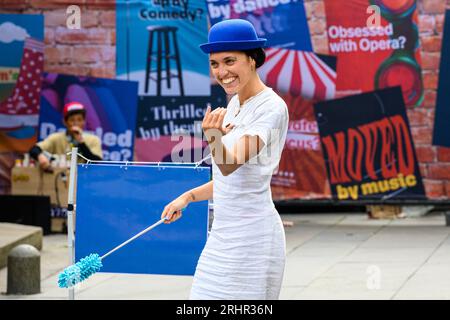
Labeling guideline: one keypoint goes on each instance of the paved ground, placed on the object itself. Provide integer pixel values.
(329, 256)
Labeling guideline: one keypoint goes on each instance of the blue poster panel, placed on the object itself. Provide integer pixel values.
(115, 202)
(282, 22)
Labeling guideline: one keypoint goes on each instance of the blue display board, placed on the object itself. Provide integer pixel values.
(115, 202)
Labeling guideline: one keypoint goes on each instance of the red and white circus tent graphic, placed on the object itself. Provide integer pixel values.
(299, 73)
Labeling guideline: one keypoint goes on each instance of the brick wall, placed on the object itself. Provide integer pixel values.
(91, 52)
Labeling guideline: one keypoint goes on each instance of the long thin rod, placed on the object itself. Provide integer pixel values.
(70, 208)
(131, 239)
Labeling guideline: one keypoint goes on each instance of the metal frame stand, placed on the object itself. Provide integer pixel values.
(71, 207)
(70, 211)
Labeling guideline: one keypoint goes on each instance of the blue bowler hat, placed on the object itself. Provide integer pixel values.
(232, 35)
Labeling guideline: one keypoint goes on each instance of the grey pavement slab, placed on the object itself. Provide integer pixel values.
(329, 256)
(290, 292)
(379, 255)
(139, 287)
(412, 236)
(303, 271)
(431, 281)
(442, 253)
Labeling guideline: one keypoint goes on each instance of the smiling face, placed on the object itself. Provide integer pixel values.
(232, 69)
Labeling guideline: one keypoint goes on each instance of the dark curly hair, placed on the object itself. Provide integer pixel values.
(258, 55)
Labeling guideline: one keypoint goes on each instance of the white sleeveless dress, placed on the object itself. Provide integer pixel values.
(244, 256)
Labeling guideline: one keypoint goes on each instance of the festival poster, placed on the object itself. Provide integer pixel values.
(299, 73)
(441, 134)
(301, 173)
(368, 148)
(21, 66)
(169, 129)
(282, 22)
(158, 46)
(111, 109)
(218, 10)
(384, 56)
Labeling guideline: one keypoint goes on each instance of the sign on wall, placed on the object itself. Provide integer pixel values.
(282, 22)
(441, 135)
(158, 46)
(111, 107)
(384, 56)
(169, 128)
(370, 154)
(21, 66)
(301, 172)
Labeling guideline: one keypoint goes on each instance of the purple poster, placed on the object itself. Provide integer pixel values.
(111, 110)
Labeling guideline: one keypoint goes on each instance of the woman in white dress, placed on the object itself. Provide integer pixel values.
(244, 256)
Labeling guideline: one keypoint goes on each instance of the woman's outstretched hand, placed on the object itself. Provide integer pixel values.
(172, 212)
(212, 124)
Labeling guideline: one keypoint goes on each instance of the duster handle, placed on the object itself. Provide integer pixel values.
(131, 239)
(136, 236)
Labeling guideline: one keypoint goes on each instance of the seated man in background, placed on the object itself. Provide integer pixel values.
(88, 145)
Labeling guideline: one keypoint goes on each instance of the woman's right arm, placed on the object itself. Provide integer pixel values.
(204, 192)
(173, 210)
